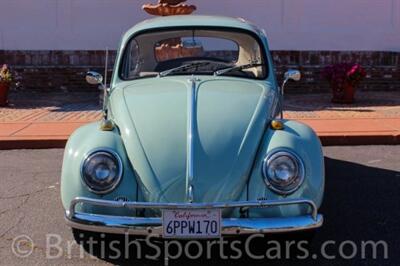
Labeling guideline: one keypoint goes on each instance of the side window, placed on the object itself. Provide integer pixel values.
(131, 63)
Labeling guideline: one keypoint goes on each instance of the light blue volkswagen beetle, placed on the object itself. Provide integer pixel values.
(192, 144)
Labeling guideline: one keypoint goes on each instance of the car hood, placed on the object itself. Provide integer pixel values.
(229, 121)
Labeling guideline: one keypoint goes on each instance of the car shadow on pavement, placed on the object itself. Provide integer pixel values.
(361, 204)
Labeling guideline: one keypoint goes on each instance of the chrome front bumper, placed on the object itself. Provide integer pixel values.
(153, 226)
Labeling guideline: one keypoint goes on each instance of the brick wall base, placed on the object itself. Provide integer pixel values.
(49, 70)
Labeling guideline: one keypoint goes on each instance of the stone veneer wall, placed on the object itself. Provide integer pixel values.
(49, 70)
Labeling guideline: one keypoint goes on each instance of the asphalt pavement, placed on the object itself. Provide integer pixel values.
(362, 203)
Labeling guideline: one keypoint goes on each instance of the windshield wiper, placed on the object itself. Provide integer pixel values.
(183, 67)
(241, 67)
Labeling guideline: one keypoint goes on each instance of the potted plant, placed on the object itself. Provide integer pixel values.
(5, 83)
(344, 79)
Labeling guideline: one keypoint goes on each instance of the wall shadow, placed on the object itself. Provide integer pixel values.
(56, 101)
(364, 102)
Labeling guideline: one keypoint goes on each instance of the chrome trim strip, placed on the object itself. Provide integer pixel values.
(216, 205)
(153, 226)
(190, 194)
(191, 113)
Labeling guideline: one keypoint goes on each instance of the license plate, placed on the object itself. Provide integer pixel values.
(191, 223)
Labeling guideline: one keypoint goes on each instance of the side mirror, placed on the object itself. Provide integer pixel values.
(292, 74)
(94, 78)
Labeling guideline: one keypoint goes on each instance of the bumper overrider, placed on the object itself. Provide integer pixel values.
(153, 226)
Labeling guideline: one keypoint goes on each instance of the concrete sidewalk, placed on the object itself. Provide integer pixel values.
(46, 121)
(373, 119)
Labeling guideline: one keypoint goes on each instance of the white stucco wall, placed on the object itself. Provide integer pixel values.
(290, 24)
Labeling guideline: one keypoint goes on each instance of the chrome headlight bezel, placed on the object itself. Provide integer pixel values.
(118, 162)
(300, 173)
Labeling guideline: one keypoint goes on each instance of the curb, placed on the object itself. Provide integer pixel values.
(355, 140)
(326, 140)
(32, 144)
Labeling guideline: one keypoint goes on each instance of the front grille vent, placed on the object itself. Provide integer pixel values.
(121, 198)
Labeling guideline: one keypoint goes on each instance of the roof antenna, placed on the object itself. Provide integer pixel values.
(106, 124)
(105, 88)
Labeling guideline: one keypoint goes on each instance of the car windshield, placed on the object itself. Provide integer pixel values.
(193, 51)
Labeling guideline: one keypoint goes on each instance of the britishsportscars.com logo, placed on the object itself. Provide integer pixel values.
(256, 247)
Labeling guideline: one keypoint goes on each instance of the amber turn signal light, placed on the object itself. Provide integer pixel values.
(277, 125)
(107, 125)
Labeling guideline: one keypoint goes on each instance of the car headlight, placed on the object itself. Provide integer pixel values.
(101, 171)
(283, 171)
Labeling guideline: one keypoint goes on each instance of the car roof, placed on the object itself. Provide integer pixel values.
(192, 21)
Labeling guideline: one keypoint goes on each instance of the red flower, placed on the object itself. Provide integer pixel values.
(341, 74)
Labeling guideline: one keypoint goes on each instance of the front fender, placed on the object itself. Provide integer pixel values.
(83, 141)
(302, 140)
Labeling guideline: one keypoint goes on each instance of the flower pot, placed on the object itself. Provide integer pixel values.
(344, 94)
(169, 10)
(4, 88)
